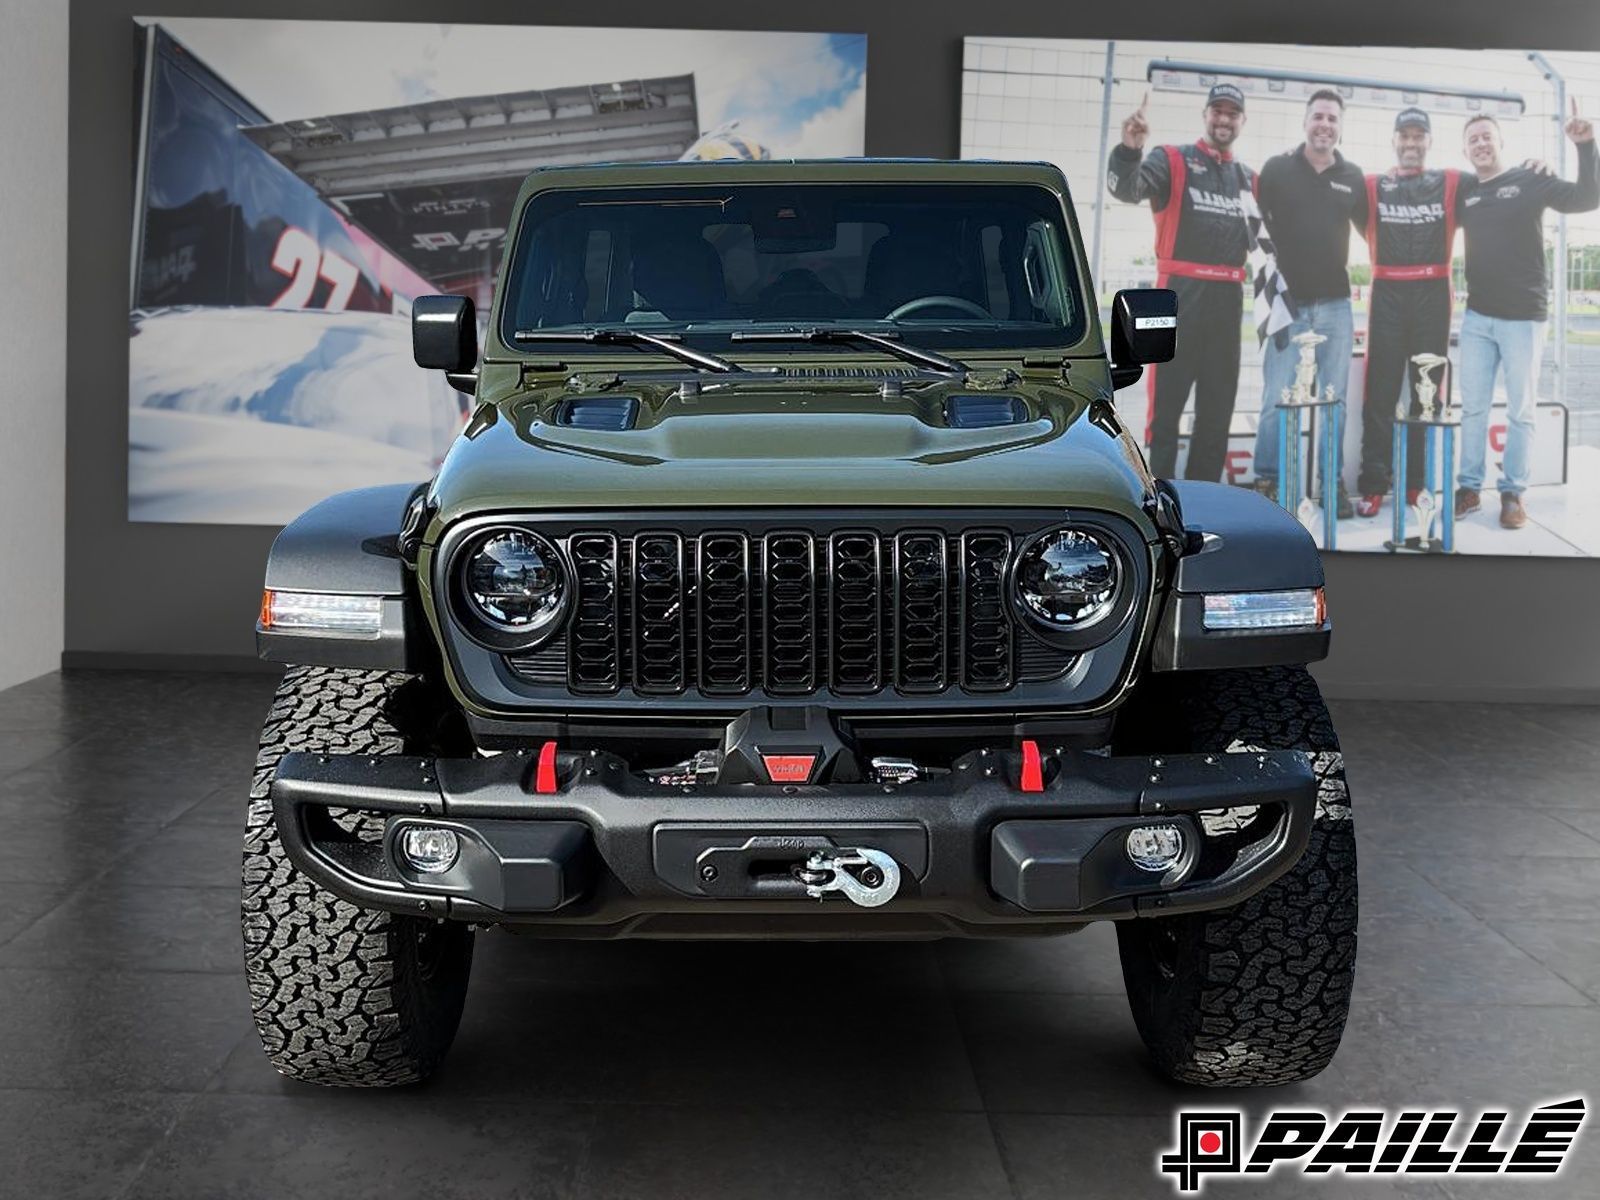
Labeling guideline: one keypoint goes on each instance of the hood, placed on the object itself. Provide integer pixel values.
(781, 443)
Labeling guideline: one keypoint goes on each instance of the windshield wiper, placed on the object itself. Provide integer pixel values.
(880, 341)
(630, 337)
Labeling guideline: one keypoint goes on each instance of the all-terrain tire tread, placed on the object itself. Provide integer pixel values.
(333, 986)
(1262, 990)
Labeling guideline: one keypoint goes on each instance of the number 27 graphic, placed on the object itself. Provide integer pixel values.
(298, 256)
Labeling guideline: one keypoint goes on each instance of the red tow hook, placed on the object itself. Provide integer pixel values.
(1032, 767)
(544, 779)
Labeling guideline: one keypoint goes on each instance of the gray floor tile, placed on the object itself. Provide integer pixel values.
(1473, 730)
(779, 969)
(85, 783)
(691, 1039)
(21, 904)
(1418, 779)
(675, 1023)
(1585, 821)
(118, 1031)
(1519, 889)
(1066, 1054)
(21, 748)
(1391, 890)
(1452, 962)
(185, 854)
(1575, 789)
(224, 807)
(1579, 723)
(1084, 962)
(88, 1145)
(380, 1144)
(1569, 948)
(1467, 831)
(200, 746)
(84, 702)
(1476, 754)
(1049, 1157)
(40, 847)
(1488, 1056)
(689, 1153)
(118, 926)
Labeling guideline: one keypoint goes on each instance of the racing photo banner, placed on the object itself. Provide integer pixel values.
(1387, 263)
(298, 183)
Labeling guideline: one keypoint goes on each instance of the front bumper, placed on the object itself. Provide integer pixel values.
(611, 854)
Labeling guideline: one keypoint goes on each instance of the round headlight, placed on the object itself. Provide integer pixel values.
(1068, 579)
(515, 581)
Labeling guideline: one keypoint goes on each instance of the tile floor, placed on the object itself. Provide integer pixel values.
(129, 1068)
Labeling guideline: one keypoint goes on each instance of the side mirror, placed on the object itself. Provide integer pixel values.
(444, 337)
(1144, 329)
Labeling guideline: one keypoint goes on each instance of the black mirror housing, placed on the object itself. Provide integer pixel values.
(444, 334)
(1144, 329)
(1144, 326)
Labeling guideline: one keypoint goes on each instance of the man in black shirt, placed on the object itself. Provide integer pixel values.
(1310, 197)
(1502, 214)
(1201, 243)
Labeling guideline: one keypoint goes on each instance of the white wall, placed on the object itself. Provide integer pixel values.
(33, 306)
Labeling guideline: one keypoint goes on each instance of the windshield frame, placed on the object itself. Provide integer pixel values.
(945, 336)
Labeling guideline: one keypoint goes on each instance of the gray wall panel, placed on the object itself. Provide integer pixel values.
(33, 309)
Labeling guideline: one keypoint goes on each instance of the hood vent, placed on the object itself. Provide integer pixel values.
(611, 414)
(848, 372)
(984, 412)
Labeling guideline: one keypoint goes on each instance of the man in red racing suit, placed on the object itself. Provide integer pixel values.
(1411, 229)
(1201, 244)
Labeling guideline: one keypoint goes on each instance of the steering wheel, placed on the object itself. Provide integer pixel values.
(922, 302)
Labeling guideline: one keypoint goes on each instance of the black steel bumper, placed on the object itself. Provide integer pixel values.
(611, 854)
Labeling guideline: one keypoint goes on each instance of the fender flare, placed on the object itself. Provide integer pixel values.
(348, 544)
(1236, 540)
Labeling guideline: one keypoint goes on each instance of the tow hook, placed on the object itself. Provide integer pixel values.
(866, 877)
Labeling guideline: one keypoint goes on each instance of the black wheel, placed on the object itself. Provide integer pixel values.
(342, 995)
(1256, 994)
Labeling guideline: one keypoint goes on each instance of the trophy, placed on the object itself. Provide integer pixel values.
(1292, 451)
(1428, 388)
(1438, 477)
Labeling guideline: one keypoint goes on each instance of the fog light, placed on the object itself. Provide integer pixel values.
(429, 851)
(1155, 848)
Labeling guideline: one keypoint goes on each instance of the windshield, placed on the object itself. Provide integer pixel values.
(934, 264)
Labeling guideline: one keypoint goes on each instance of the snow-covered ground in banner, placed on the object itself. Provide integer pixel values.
(249, 416)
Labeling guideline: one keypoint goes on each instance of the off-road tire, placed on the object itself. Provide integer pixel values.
(1256, 994)
(342, 995)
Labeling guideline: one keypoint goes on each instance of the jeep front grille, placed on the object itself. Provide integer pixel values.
(790, 612)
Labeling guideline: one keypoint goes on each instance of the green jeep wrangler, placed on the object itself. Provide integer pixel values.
(794, 577)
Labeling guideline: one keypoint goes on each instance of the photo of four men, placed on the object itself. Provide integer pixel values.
(1237, 237)
(1409, 215)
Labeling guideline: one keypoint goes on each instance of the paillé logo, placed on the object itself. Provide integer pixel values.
(1366, 1141)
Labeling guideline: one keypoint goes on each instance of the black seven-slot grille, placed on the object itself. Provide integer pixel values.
(791, 613)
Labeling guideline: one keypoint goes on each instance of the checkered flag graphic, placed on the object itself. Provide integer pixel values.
(1274, 306)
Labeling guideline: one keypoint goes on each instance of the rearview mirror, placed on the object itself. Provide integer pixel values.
(1144, 329)
(444, 337)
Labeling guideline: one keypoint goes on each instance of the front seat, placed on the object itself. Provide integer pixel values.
(679, 277)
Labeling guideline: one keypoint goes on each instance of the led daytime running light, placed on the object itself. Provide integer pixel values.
(321, 614)
(1302, 608)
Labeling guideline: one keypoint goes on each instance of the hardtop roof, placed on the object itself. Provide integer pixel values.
(824, 170)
